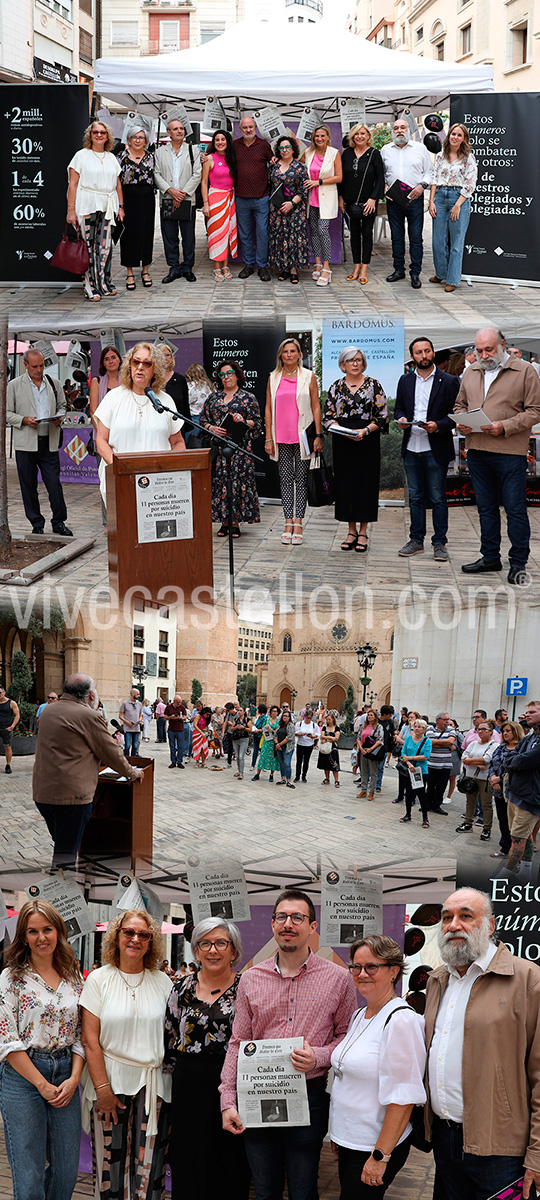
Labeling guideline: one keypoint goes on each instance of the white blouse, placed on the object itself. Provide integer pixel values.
(33, 1016)
(132, 1021)
(459, 174)
(379, 1066)
(96, 189)
(198, 393)
(134, 425)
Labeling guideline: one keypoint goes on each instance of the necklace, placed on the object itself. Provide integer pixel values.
(100, 155)
(131, 987)
(350, 1041)
(141, 405)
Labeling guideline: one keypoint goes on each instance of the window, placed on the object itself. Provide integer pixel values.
(138, 660)
(63, 9)
(420, 33)
(287, 643)
(124, 33)
(466, 39)
(257, 656)
(163, 639)
(440, 51)
(85, 46)
(245, 667)
(138, 635)
(209, 32)
(239, 653)
(85, 6)
(251, 643)
(518, 46)
(169, 35)
(245, 653)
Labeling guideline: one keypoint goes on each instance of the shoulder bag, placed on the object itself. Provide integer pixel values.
(71, 253)
(467, 784)
(402, 768)
(357, 210)
(418, 1136)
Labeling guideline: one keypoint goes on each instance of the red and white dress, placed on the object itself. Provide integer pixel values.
(221, 228)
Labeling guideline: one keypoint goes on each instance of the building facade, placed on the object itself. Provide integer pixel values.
(253, 647)
(52, 41)
(133, 28)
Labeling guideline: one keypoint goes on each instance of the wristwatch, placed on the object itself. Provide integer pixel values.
(378, 1155)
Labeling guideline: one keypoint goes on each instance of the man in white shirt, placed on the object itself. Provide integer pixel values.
(35, 407)
(178, 175)
(483, 1039)
(410, 163)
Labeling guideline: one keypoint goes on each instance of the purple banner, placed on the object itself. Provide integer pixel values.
(76, 464)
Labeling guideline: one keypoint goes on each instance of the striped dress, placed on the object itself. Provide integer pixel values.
(221, 228)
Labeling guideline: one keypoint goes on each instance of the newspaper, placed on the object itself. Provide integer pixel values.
(215, 116)
(350, 907)
(137, 894)
(310, 119)
(270, 1091)
(352, 112)
(68, 900)
(269, 123)
(218, 889)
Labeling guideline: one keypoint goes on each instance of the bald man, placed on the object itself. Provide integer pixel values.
(73, 740)
(483, 1039)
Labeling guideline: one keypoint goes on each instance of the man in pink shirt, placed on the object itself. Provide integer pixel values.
(479, 715)
(294, 993)
(161, 722)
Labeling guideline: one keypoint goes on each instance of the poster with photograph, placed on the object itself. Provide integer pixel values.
(218, 889)
(215, 116)
(164, 506)
(137, 893)
(177, 112)
(269, 123)
(351, 112)
(68, 899)
(311, 117)
(351, 906)
(269, 1090)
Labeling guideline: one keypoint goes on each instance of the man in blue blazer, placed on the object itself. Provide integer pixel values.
(424, 400)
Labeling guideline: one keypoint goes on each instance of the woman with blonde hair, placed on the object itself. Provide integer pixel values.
(454, 181)
(323, 164)
(200, 387)
(292, 405)
(94, 200)
(41, 1055)
(360, 189)
(126, 1098)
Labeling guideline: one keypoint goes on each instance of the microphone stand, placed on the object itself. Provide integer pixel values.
(228, 450)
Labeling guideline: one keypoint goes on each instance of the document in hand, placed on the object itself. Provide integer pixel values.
(475, 419)
(399, 192)
(270, 1091)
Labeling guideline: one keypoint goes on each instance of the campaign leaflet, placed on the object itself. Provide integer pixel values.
(68, 900)
(164, 507)
(218, 889)
(351, 906)
(351, 112)
(269, 123)
(270, 1092)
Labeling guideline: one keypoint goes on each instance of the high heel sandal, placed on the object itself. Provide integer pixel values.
(362, 549)
(218, 274)
(297, 538)
(286, 536)
(346, 545)
(316, 273)
(325, 277)
(130, 284)
(145, 279)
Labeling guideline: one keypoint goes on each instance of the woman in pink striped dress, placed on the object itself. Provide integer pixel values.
(217, 187)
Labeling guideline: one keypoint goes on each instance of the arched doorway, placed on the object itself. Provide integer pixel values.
(285, 697)
(336, 697)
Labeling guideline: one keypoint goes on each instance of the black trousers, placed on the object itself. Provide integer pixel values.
(171, 232)
(361, 237)
(48, 462)
(303, 755)
(351, 1165)
(416, 794)
(437, 780)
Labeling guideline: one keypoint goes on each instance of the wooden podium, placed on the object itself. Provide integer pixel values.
(159, 519)
(122, 816)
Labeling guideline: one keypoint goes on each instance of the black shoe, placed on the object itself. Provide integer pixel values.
(172, 766)
(63, 530)
(518, 576)
(7, 769)
(264, 274)
(304, 780)
(415, 282)
(38, 529)
(181, 766)
(172, 276)
(191, 278)
(246, 272)
(480, 565)
(441, 811)
(296, 779)
(393, 278)
(485, 835)
(464, 828)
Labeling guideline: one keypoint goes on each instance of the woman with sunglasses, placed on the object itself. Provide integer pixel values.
(126, 1098)
(198, 1026)
(378, 1074)
(94, 201)
(232, 411)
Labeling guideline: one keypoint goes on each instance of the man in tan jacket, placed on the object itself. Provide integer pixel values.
(72, 741)
(508, 390)
(35, 407)
(483, 1041)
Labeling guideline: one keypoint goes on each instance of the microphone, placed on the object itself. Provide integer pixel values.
(154, 400)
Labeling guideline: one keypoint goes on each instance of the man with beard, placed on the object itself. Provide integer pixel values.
(409, 163)
(293, 993)
(523, 765)
(508, 390)
(483, 1038)
(73, 740)
(424, 400)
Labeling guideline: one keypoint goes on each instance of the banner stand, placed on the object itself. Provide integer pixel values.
(511, 283)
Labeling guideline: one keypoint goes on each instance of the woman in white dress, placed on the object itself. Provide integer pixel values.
(94, 200)
(126, 419)
(126, 1097)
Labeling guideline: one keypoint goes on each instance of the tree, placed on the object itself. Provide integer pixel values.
(22, 682)
(5, 535)
(348, 711)
(196, 690)
(246, 689)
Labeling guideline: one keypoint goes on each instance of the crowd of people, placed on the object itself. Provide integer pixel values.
(270, 204)
(157, 1059)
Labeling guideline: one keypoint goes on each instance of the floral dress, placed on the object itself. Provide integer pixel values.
(245, 501)
(288, 245)
(267, 757)
(356, 464)
(136, 243)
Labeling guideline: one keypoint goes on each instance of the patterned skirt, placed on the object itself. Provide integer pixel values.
(200, 743)
(221, 228)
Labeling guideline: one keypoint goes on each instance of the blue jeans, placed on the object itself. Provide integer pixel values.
(414, 218)
(257, 738)
(470, 1176)
(500, 478)
(295, 1151)
(131, 741)
(449, 236)
(161, 729)
(42, 1142)
(176, 744)
(284, 759)
(248, 210)
(380, 772)
(170, 231)
(66, 824)
(426, 476)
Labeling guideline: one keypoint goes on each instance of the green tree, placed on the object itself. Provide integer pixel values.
(348, 711)
(22, 682)
(196, 690)
(246, 688)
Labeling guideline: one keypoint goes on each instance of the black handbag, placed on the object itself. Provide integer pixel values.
(467, 784)
(402, 767)
(320, 483)
(357, 210)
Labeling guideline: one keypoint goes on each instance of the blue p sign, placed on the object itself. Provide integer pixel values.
(516, 686)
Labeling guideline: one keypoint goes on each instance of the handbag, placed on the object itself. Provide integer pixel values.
(467, 784)
(71, 254)
(320, 483)
(402, 768)
(357, 210)
(418, 1135)
(182, 212)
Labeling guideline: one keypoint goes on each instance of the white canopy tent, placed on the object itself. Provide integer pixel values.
(257, 63)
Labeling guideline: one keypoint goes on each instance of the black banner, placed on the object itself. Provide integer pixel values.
(515, 901)
(503, 238)
(253, 344)
(41, 128)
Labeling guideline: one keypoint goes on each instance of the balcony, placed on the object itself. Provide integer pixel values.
(316, 4)
(139, 642)
(163, 673)
(166, 4)
(163, 647)
(152, 45)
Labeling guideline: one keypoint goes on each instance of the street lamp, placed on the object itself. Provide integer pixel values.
(139, 673)
(293, 698)
(366, 656)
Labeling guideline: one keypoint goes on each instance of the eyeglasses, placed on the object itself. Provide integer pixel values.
(285, 146)
(131, 934)
(296, 918)
(225, 374)
(219, 944)
(141, 362)
(99, 133)
(371, 969)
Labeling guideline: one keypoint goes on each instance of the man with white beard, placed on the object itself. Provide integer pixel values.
(508, 390)
(483, 1039)
(410, 163)
(73, 739)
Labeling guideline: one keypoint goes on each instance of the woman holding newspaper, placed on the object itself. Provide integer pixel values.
(356, 414)
(378, 1074)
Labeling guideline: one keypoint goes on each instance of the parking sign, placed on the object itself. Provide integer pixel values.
(516, 686)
